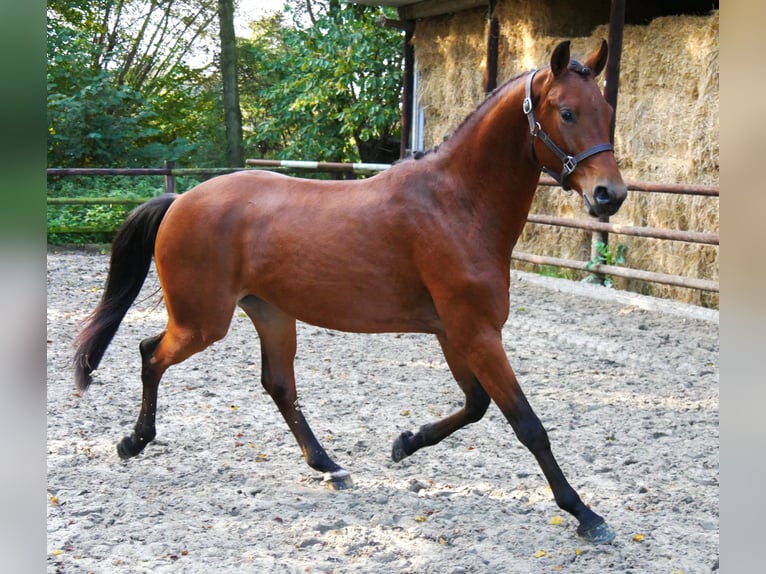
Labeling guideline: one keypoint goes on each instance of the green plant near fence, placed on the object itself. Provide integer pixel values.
(608, 254)
(71, 221)
(90, 209)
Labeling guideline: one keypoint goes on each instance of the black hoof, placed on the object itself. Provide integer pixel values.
(338, 480)
(403, 446)
(129, 447)
(598, 533)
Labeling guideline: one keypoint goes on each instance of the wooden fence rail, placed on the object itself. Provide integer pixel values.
(96, 200)
(170, 173)
(653, 232)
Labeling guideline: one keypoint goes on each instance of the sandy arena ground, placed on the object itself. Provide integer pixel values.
(626, 386)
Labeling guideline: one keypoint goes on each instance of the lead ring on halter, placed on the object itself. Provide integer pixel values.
(569, 163)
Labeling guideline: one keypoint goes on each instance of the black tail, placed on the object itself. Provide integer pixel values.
(132, 251)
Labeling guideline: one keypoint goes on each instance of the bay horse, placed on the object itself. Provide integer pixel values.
(424, 246)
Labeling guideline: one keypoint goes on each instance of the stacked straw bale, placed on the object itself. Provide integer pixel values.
(667, 120)
(451, 58)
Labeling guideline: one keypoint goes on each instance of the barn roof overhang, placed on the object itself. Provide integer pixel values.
(636, 13)
(414, 9)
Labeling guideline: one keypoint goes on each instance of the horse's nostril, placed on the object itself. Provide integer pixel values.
(601, 195)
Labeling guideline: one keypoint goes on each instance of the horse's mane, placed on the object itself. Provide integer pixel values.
(575, 66)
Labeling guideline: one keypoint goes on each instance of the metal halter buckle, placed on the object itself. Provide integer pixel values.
(570, 164)
(527, 105)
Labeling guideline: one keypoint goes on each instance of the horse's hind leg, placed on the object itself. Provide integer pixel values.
(145, 430)
(170, 347)
(476, 403)
(276, 331)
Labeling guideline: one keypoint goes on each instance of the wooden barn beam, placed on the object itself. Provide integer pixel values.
(616, 27)
(408, 98)
(408, 57)
(493, 44)
(429, 8)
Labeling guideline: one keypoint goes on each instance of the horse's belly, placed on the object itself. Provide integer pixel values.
(367, 316)
(359, 303)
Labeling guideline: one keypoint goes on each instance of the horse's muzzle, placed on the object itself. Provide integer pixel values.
(605, 198)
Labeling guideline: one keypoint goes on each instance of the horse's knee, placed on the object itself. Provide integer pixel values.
(532, 434)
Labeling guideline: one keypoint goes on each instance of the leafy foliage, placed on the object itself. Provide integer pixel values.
(116, 95)
(326, 88)
(121, 93)
(608, 255)
(106, 216)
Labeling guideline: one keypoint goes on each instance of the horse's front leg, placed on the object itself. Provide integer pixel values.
(486, 357)
(476, 403)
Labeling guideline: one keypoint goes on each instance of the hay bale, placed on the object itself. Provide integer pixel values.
(451, 58)
(531, 29)
(667, 131)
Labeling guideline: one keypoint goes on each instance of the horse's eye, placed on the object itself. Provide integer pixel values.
(567, 115)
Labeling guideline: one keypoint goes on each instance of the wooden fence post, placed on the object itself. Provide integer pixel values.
(170, 179)
(612, 73)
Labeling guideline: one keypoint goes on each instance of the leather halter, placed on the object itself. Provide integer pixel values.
(536, 130)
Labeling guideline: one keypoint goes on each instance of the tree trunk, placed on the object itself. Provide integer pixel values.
(235, 156)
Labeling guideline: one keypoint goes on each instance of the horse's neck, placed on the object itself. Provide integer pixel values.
(490, 151)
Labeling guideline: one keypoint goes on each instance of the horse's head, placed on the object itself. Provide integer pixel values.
(570, 127)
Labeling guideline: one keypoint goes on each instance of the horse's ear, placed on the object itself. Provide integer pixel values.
(597, 60)
(560, 58)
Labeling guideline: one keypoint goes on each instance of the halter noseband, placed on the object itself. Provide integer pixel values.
(535, 129)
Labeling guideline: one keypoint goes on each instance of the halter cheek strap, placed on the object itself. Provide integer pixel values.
(569, 163)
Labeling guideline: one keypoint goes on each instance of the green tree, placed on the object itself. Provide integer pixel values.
(326, 87)
(120, 92)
